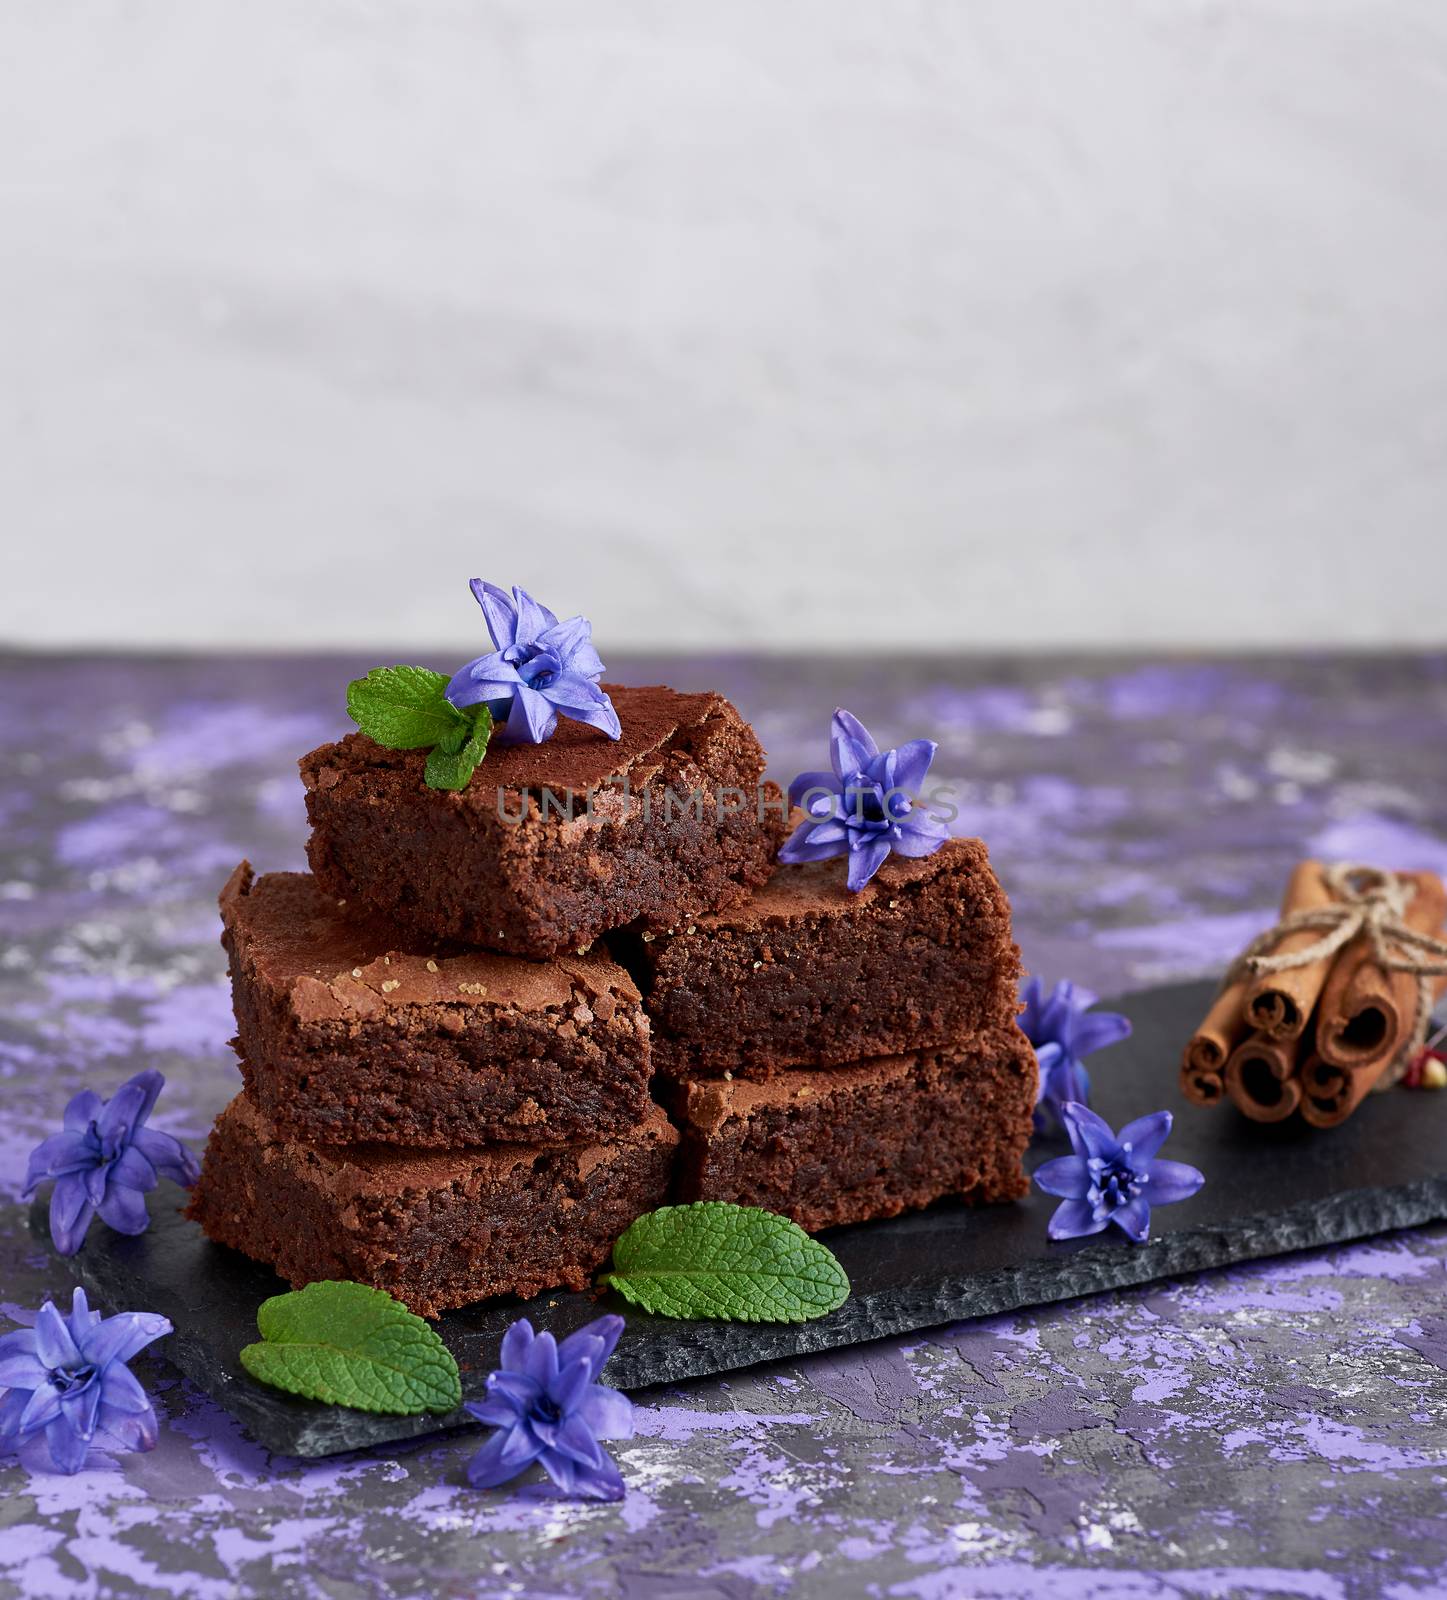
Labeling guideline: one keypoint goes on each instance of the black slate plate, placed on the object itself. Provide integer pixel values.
(1268, 1190)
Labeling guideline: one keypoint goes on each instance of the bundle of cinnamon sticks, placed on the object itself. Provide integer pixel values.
(1330, 1002)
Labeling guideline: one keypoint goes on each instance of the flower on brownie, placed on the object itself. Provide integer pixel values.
(541, 667)
(1113, 1179)
(547, 1405)
(1063, 1030)
(105, 1159)
(866, 807)
(65, 1387)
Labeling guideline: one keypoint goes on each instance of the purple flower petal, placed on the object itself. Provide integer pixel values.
(1075, 1219)
(81, 1316)
(1048, 1058)
(124, 1209)
(504, 1455)
(498, 611)
(80, 1407)
(1090, 1135)
(803, 845)
(832, 834)
(823, 802)
(920, 835)
(120, 1337)
(41, 1409)
(486, 678)
(607, 1330)
(70, 1214)
(496, 1410)
(533, 618)
(531, 719)
(1059, 1018)
(1067, 1176)
(585, 661)
(133, 1170)
(167, 1155)
(850, 745)
(597, 712)
(62, 1153)
(1134, 1219)
(68, 1449)
(53, 1343)
(82, 1110)
(1144, 1137)
(1067, 1081)
(120, 1388)
(575, 1439)
(548, 1408)
(566, 1390)
(20, 1367)
(572, 693)
(1097, 1029)
(1171, 1181)
(603, 1482)
(608, 1412)
(121, 1430)
(130, 1105)
(541, 1363)
(516, 1388)
(516, 1343)
(865, 861)
(12, 1407)
(121, 1114)
(566, 639)
(912, 764)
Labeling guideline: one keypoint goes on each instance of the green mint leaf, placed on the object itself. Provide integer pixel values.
(403, 708)
(353, 1346)
(735, 1263)
(453, 762)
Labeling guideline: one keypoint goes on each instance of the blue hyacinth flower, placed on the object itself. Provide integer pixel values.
(540, 668)
(547, 1406)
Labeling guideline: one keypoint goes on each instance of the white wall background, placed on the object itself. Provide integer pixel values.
(767, 322)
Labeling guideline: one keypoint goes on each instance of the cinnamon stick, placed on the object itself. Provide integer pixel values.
(1280, 1004)
(1261, 1078)
(1331, 1093)
(1367, 1011)
(1203, 1065)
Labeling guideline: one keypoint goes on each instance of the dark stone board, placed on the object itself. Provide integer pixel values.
(1268, 1189)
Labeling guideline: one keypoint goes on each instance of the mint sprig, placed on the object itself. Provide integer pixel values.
(733, 1263)
(406, 708)
(454, 759)
(353, 1346)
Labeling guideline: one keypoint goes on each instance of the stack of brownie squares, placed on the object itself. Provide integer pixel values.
(492, 1027)
(841, 1056)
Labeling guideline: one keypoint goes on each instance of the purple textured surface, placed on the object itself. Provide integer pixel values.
(1273, 1430)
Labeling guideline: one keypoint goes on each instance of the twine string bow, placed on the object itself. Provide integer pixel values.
(1371, 903)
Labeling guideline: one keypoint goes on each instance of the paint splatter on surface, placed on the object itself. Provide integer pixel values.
(1273, 1430)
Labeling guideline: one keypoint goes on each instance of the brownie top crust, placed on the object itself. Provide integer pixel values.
(658, 725)
(327, 965)
(817, 889)
(379, 1172)
(709, 1104)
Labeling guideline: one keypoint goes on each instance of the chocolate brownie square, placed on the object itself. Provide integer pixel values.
(807, 973)
(436, 1229)
(851, 1143)
(552, 844)
(344, 1037)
